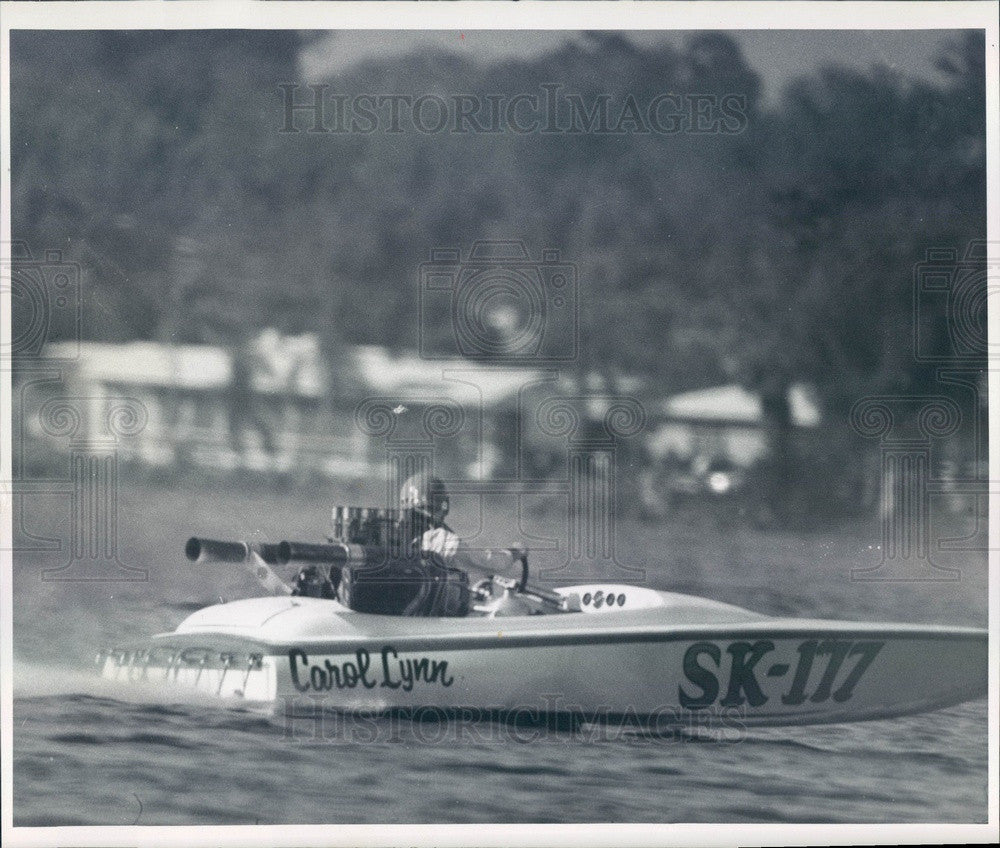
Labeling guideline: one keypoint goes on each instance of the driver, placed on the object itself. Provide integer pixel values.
(425, 500)
(432, 577)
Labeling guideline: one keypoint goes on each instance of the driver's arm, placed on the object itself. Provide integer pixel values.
(483, 562)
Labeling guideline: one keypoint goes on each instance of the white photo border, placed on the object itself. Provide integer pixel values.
(246, 14)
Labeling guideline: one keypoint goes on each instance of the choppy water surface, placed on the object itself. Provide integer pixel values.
(86, 752)
(85, 759)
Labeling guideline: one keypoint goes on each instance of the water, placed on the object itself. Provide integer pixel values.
(89, 752)
(93, 759)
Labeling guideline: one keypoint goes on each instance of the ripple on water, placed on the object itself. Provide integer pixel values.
(193, 764)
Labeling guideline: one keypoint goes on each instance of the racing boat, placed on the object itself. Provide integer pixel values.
(596, 650)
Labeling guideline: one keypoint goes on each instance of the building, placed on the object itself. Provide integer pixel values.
(724, 423)
(190, 406)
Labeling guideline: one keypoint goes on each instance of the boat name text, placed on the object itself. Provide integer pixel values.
(391, 672)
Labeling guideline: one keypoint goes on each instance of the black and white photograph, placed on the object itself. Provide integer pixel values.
(494, 423)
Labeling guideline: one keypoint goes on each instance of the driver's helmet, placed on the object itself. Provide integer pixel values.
(427, 496)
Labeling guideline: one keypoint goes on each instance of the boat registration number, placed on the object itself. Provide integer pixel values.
(822, 669)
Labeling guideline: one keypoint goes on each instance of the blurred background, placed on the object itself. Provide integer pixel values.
(250, 287)
(774, 395)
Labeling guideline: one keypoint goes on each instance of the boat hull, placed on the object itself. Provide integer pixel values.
(648, 665)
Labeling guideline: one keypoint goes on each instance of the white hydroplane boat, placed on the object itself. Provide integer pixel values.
(598, 650)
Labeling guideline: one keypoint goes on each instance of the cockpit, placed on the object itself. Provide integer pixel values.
(372, 562)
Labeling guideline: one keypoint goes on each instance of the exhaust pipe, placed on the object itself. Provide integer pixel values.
(213, 550)
(336, 553)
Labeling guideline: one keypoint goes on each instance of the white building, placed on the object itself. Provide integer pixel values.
(184, 395)
(725, 422)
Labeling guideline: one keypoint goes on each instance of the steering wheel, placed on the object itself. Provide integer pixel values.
(523, 556)
(482, 587)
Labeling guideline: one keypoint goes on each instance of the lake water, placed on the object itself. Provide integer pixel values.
(87, 752)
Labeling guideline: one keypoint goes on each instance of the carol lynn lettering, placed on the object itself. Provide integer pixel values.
(393, 672)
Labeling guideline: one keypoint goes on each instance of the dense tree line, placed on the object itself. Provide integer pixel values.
(783, 251)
